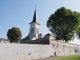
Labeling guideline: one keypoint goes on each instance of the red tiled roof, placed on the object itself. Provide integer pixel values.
(4, 39)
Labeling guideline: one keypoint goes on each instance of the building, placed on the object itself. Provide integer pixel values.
(3, 40)
(34, 36)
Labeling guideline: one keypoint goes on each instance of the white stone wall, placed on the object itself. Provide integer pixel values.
(63, 49)
(12, 51)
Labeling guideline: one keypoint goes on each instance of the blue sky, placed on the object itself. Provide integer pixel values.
(19, 13)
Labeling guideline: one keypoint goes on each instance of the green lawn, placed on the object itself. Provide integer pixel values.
(74, 57)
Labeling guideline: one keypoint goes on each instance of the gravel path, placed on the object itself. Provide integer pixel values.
(45, 58)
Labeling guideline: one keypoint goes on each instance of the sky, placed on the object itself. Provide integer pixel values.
(19, 13)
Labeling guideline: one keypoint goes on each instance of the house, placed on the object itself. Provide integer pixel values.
(4, 40)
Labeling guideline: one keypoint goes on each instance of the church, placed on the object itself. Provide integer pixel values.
(34, 36)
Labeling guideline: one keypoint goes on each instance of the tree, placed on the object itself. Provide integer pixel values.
(64, 24)
(78, 34)
(14, 34)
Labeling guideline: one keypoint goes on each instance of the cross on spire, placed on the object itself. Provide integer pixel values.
(35, 6)
(35, 16)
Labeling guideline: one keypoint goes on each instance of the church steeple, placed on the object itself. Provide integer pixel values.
(34, 28)
(35, 20)
(35, 17)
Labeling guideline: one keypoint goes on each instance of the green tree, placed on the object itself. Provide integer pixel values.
(78, 33)
(14, 34)
(64, 24)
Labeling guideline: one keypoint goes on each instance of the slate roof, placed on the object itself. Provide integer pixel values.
(34, 17)
(48, 34)
(38, 41)
(44, 40)
(26, 38)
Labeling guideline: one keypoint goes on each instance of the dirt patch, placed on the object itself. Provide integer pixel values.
(27, 59)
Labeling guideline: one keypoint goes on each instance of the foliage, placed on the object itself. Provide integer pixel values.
(64, 24)
(14, 34)
(74, 57)
(78, 33)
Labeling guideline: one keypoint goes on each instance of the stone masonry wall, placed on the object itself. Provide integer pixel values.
(64, 49)
(12, 51)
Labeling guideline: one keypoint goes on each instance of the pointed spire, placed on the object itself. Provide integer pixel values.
(35, 16)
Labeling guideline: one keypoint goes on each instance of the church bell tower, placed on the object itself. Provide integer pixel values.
(34, 27)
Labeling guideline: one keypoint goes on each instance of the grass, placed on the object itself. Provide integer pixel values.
(74, 57)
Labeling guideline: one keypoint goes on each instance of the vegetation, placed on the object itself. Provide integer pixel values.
(14, 34)
(64, 24)
(75, 57)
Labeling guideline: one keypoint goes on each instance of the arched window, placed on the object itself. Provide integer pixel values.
(33, 29)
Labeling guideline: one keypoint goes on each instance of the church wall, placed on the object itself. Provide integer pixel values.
(14, 51)
(34, 27)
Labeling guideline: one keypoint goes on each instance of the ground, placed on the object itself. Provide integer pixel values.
(73, 57)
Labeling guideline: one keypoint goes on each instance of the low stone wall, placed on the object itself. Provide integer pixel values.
(64, 49)
(12, 51)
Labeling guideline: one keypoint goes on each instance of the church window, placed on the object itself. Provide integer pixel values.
(32, 30)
